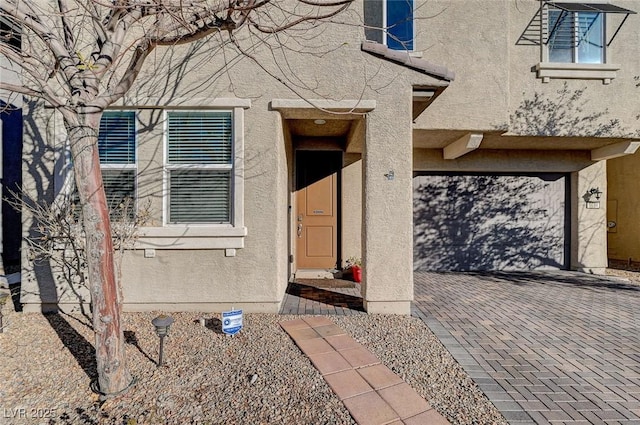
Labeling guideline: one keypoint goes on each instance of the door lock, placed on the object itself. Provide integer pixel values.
(300, 217)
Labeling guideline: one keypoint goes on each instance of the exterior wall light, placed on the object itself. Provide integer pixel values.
(592, 197)
(162, 324)
(319, 122)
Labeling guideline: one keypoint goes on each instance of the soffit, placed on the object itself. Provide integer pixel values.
(308, 128)
(438, 139)
(324, 118)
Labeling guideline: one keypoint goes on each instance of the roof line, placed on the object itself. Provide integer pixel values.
(403, 57)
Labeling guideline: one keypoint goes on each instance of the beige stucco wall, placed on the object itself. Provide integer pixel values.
(171, 276)
(482, 41)
(589, 242)
(488, 44)
(45, 179)
(351, 225)
(477, 39)
(387, 239)
(623, 207)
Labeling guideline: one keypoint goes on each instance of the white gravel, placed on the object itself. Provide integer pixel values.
(256, 377)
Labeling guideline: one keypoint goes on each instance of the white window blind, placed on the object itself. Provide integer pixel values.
(119, 185)
(576, 37)
(200, 165)
(117, 149)
(116, 139)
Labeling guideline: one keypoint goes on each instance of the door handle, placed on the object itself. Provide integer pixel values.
(299, 230)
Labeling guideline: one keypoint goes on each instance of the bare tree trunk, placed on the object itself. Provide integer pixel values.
(120, 36)
(106, 298)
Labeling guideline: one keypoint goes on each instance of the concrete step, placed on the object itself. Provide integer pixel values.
(318, 274)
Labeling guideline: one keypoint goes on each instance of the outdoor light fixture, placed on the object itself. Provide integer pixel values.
(319, 122)
(595, 191)
(162, 324)
(592, 197)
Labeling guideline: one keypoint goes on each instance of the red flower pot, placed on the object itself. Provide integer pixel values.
(356, 271)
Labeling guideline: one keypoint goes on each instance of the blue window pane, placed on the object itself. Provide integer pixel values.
(400, 24)
(561, 40)
(576, 37)
(590, 38)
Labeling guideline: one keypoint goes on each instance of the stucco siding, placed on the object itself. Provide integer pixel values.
(494, 47)
(526, 126)
(623, 208)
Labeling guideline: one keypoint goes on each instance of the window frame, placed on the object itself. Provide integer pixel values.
(387, 27)
(382, 27)
(575, 49)
(235, 169)
(547, 70)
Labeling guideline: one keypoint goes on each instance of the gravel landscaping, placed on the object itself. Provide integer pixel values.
(256, 377)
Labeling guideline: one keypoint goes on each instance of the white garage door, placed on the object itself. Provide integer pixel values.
(490, 222)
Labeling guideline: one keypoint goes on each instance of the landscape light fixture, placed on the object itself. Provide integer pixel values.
(162, 324)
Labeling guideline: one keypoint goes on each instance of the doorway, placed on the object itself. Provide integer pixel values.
(316, 218)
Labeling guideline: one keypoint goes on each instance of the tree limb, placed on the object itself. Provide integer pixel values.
(69, 39)
(278, 28)
(29, 18)
(144, 48)
(30, 92)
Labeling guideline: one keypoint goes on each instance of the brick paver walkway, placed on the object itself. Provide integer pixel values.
(557, 347)
(372, 393)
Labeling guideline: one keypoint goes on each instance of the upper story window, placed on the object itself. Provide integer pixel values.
(576, 37)
(117, 149)
(200, 167)
(390, 22)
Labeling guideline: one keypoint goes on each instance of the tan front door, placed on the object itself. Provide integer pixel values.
(316, 219)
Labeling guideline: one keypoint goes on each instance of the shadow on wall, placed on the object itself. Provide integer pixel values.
(51, 272)
(565, 114)
(489, 222)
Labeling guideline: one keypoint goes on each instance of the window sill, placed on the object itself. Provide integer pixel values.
(583, 71)
(411, 53)
(192, 237)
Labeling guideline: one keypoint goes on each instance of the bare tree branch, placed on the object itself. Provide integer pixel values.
(143, 50)
(69, 39)
(81, 56)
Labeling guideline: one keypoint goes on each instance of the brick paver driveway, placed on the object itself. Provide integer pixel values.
(558, 347)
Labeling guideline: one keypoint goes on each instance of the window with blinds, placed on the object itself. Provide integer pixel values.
(576, 37)
(117, 149)
(199, 163)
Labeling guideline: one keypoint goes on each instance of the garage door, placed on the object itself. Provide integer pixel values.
(490, 222)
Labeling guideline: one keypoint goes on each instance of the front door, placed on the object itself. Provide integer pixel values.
(316, 219)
